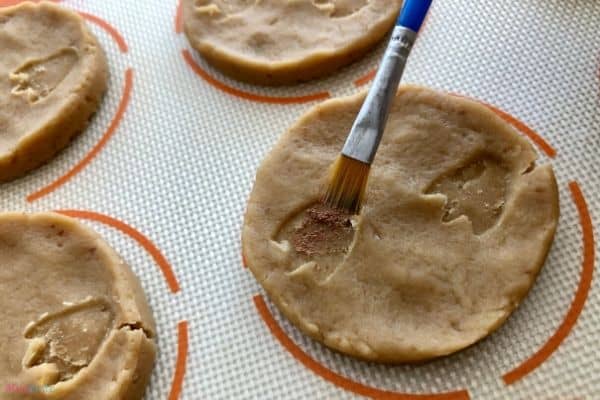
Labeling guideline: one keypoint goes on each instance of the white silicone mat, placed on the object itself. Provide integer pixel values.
(165, 168)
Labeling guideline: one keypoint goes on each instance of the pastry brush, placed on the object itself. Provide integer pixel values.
(350, 172)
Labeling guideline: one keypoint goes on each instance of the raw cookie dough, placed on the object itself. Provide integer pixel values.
(457, 223)
(75, 321)
(53, 74)
(278, 42)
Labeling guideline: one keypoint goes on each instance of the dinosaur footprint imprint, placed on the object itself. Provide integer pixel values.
(320, 237)
(36, 79)
(70, 338)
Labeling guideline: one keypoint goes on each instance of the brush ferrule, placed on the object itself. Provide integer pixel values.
(368, 128)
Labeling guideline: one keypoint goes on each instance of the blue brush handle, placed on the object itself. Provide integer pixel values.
(413, 14)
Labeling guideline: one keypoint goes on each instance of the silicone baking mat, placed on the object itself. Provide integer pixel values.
(166, 166)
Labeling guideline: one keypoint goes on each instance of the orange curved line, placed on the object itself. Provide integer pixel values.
(182, 351)
(579, 300)
(96, 149)
(178, 18)
(108, 28)
(246, 95)
(335, 378)
(537, 139)
(533, 135)
(150, 247)
(366, 78)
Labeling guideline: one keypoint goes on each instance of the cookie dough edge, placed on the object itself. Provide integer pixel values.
(138, 327)
(38, 148)
(144, 367)
(318, 65)
(353, 350)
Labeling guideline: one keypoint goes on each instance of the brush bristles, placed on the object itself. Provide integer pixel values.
(347, 183)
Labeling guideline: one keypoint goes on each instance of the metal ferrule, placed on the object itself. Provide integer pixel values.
(368, 128)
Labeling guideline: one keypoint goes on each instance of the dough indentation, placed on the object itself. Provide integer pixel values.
(339, 8)
(319, 235)
(282, 42)
(213, 8)
(419, 280)
(69, 338)
(476, 190)
(206, 7)
(37, 78)
(260, 42)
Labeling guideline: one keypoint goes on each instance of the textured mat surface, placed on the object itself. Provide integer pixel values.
(165, 168)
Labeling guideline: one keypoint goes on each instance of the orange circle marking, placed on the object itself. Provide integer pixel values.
(366, 78)
(134, 234)
(179, 18)
(244, 263)
(182, 352)
(114, 124)
(537, 139)
(526, 130)
(108, 28)
(579, 300)
(337, 379)
(246, 95)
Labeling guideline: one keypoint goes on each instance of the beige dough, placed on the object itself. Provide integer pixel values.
(285, 41)
(75, 321)
(457, 224)
(53, 74)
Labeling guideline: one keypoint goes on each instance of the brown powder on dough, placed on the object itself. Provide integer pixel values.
(323, 231)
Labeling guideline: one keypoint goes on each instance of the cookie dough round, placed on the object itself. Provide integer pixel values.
(76, 324)
(53, 74)
(275, 42)
(457, 223)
